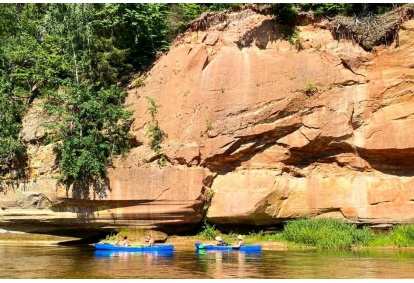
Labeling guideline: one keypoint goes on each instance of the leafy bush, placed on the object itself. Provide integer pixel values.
(11, 111)
(154, 130)
(78, 57)
(223, 6)
(285, 13)
(208, 232)
(89, 130)
(328, 9)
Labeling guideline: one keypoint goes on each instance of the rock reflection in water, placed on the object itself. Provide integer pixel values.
(85, 262)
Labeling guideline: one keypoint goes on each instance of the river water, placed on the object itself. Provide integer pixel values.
(63, 262)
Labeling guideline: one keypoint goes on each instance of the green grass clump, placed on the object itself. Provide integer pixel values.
(402, 235)
(326, 233)
(381, 241)
(253, 237)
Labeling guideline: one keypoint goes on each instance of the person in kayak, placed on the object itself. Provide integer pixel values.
(150, 241)
(125, 242)
(240, 241)
(220, 242)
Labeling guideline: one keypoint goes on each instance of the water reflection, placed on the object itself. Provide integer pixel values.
(86, 262)
(227, 264)
(126, 254)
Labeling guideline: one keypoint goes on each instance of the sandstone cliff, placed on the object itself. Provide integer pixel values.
(256, 132)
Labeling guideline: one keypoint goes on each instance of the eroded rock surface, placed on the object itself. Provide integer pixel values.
(264, 131)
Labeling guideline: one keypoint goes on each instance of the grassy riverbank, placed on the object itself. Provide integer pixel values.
(297, 234)
(322, 234)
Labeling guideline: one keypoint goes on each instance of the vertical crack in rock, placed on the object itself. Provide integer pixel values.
(206, 62)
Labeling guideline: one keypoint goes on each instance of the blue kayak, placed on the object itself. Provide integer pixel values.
(211, 247)
(107, 246)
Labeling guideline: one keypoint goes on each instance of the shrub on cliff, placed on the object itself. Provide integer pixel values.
(89, 131)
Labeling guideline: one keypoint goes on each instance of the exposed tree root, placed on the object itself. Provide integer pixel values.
(372, 30)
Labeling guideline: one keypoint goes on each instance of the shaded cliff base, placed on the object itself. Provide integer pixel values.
(297, 235)
(179, 242)
(25, 235)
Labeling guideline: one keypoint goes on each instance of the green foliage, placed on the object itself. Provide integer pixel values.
(285, 13)
(89, 130)
(180, 15)
(78, 57)
(328, 9)
(292, 35)
(154, 130)
(403, 235)
(11, 111)
(309, 89)
(380, 241)
(208, 232)
(323, 234)
(138, 28)
(110, 238)
(254, 237)
(21, 69)
(400, 236)
(157, 135)
(209, 126)
(223, 6)
(347, 9)
(162, 161)
(326, 233)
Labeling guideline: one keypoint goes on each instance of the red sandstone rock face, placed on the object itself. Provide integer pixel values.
(271, 132)
(233, 99)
